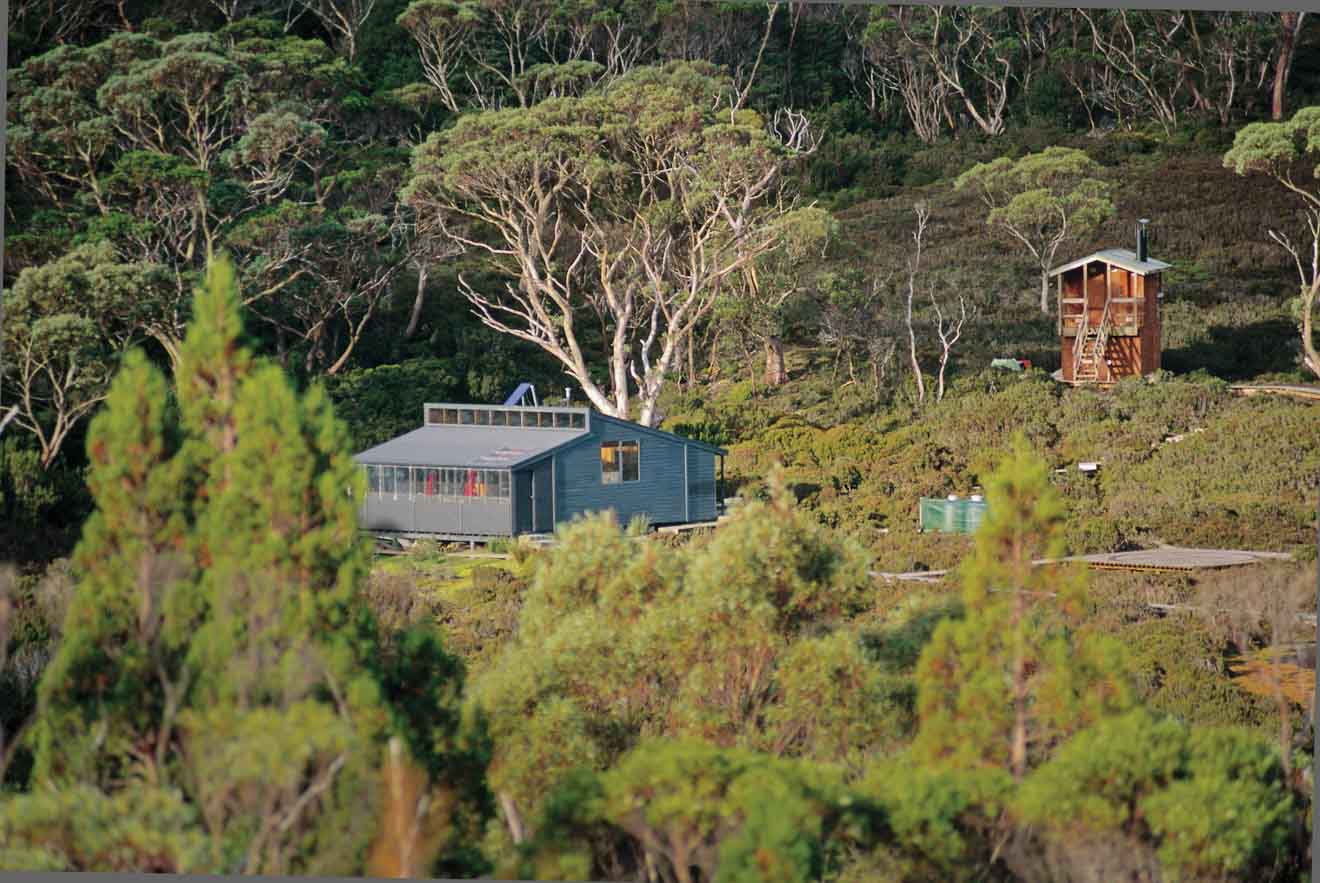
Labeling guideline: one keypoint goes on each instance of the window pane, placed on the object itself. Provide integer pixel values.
(515, 418)
(561, 421)
(431, 484)
(401, 485)
(434, 416)
(579, 421)
(373, 479)
(483, 418)
(449, 417)
(631, 457)
(387, 480)
(609, 462)
(499, 418)
(506, 485)
(465, 417)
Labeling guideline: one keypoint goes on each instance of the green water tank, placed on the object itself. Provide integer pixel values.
(952, 515)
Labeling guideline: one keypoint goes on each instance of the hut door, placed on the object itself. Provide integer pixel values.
(542, 516)
(1096, 291)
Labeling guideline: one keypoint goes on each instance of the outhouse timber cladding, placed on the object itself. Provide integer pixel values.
(544, 476)
(1114, 288)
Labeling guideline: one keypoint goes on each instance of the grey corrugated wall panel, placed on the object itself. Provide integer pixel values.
(388, 514)
(479, 518)
(437, 516)
(489, 518)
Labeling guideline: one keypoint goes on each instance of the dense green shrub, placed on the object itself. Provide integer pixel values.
(41, 510)
(1181, 670)
(1210, 802)
(381, 403)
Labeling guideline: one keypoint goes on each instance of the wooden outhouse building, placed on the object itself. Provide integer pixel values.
(479, 472)
(1109, 314)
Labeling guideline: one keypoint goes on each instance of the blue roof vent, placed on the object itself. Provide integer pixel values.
(520, 396)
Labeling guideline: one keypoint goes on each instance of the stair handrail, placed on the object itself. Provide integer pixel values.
(1102, 335)
(1080, 340)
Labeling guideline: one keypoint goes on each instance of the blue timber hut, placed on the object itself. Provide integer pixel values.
(478, 472)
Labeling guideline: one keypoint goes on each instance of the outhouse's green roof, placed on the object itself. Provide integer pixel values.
(1118, 257)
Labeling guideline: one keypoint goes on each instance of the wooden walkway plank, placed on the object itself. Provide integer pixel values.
(1292, 390)
(1165, 559)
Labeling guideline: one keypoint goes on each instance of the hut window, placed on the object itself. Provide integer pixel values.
(515, 418)
(506, 486)
(402, 486)
(499, 418)
(620, 462)
(434, 416)
(632, 460)
(387, 481)
(373, 479)
(578, 421)
(465, 417)
(449, 416)
(430, 483)
(483, 418)
(470, 483)
(561, 421)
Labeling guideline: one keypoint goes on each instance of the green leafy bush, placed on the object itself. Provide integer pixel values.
(381, 403)
(1211, 802)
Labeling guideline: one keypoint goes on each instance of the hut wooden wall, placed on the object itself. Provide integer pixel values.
(1151, 330)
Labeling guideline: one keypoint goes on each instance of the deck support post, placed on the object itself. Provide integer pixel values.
(1058, 287)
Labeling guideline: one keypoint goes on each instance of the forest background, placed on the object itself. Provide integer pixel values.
(801, 231)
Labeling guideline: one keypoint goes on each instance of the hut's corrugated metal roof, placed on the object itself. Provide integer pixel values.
(475, 447)
(1119, 257)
